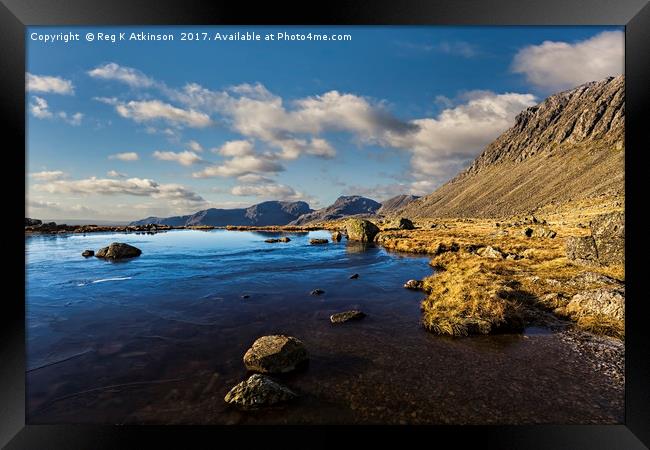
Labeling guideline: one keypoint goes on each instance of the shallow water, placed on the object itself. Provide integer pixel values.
(160, 338)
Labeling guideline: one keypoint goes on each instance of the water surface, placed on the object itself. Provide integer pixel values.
(160, 338)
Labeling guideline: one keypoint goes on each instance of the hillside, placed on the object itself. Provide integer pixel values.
(262, 214)
(395, 203)
(568, 148)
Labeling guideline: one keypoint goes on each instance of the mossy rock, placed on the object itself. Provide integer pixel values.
(361, 230)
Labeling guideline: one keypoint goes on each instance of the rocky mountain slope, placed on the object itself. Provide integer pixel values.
(569, 147)
(395, 203)
(343, 206)
(262, 214)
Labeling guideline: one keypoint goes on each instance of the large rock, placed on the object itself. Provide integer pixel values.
(490, 252)
(118, 250)
(361, 230)
(336, 236)
(582, 249)
(606, 301)
(275, 354)
(608, 231)
(258, 390)
(404, 224)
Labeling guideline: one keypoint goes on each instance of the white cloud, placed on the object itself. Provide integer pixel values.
(151, 110)
(142, 187)
(48, 175)
(562, 65)
(195, 146)
(127, 75)
(236, 148)
(464, 49)
(126, 156)
(115, 174)
(58, 207)
(49, 84)
(444, 145)
(186, 158)
(267, 190)
(241, 165)
(40, 109)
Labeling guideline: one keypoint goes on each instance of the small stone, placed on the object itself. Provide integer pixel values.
(354, 276)
(413, 284)
(318, 241)
(317, 292)
(88, 253)
(118, 250)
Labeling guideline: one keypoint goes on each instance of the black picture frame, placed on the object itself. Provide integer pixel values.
(15, 15)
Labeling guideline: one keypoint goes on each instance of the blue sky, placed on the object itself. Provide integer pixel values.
(122, 130)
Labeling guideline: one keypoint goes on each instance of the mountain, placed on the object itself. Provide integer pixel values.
(395, 203)
(265, 213)
(343, 206)
(569, 147)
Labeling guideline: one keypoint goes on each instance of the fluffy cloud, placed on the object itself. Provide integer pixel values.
(127, 75)
(186, 158)
(48, 84)
(40, 109)
(47, 175)
(195, 146)
(236, 148)
(151, 110)
(115, 174)
(266, 190)
(561, 65)
(142, 187)
(126, 156)
(241, 165)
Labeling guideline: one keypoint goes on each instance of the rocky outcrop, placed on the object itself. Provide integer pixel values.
(414, 285)
(361, 230)
(258, 390)
(347, 316)
(275, 354)
(262, 214)
(568, 147)
(118, 250)
(402, 223)
(490, 252)
(337, 236)
(344, 206)
(31, 222)
(605, 245)
(603, 301)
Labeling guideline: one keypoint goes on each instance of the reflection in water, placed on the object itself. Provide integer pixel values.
(160, 338)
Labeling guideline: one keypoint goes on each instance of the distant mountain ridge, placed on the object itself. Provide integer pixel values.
(344, 206)
(569, 147)
(396, 203)
(262, 214)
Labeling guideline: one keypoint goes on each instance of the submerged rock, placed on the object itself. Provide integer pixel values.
(274, 240)
(346, 316)
(258, 390)
(317, 292)
(413, 284)
(275, 354)
(361, 230)
(354, 276)
(315, 241)
(118, 250)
